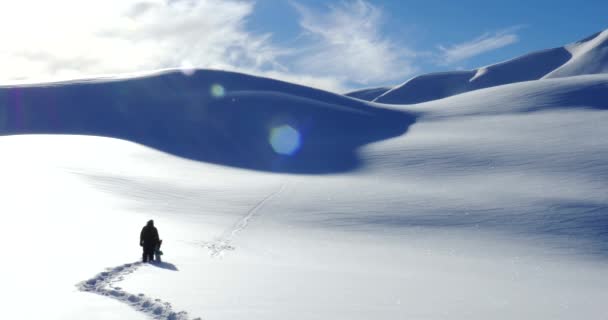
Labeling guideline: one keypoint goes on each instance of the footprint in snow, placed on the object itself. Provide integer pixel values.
(103, 284)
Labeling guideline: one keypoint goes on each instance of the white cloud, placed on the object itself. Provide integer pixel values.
(73, 38)
(347, 42)
(484, 43)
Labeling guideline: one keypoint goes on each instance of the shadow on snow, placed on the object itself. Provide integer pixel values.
(213, 116)
(566, 220)
(164, 265)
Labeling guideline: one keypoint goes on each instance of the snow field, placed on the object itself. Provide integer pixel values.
(486, 204)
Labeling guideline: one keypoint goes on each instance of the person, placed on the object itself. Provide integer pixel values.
(149, 240)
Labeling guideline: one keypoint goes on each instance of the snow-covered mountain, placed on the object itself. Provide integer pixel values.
(588, 56)
(277, 201)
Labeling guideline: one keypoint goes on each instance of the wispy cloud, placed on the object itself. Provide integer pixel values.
(347, 42)
(484, 43)
(70, 38)
(341, 46)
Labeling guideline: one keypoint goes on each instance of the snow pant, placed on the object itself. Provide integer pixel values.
(148, 254)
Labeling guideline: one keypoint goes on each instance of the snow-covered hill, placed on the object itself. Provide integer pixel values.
(213, 116)
(588, 56)
(277, 201)
(368, 94)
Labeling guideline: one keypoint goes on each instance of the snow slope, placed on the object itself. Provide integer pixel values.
(588, 56)
(213, 116)
(489, 204)
(368, 94)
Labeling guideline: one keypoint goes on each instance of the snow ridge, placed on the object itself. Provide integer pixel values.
(589, 56)
(104, 284)
(585, 57)
(368, 94)
(211, 116)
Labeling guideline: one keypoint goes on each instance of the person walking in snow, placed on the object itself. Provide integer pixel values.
(149, 240)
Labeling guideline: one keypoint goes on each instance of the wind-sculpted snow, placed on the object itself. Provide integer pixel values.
(525, 159)
(440, 85)
(580, 92)
(213, 116)
(104, 284)
(588, 56)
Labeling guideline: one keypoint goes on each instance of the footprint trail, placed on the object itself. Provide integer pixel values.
(224, 243)
(104, 284)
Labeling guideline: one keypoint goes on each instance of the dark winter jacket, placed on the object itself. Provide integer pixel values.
(149, 235)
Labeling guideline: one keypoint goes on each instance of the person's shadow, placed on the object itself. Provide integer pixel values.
(164, 265)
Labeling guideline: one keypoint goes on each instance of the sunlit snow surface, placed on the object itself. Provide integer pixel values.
(278, 201)
(585, 57)
(492, 206)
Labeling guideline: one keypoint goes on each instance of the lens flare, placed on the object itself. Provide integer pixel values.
(217, 91)
(285, 140)
(187, 68)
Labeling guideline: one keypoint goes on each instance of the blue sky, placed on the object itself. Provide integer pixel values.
(423, 26)
(336, 45)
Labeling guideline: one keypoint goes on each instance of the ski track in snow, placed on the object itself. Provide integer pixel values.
(218, 247)
(104, 284)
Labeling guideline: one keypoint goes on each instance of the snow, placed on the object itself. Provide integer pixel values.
(589, 56)
(368, 94)
(104, 284)
(184, 115)
(279, 201)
